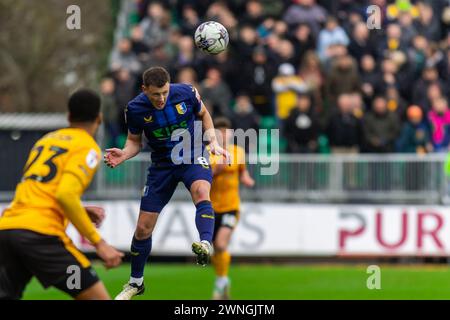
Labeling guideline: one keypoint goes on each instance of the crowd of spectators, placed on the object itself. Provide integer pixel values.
(317, 68)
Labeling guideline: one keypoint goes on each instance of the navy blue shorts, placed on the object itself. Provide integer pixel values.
(163, 180)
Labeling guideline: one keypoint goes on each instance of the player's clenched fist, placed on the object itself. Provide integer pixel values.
(216, 149)
(110, 256)
(113, 157)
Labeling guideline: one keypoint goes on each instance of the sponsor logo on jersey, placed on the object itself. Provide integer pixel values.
(166, 132)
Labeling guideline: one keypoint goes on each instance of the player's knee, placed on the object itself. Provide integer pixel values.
(143, 230)
(220, 246)
(201, 193)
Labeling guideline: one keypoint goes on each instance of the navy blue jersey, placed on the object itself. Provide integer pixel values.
(158, 125)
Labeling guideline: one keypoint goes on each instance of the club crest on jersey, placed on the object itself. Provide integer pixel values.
(92, 159)
(181, 108)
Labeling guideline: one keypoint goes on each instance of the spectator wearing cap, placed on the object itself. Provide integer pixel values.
(415, 135)
(399, 7)
(286, 85)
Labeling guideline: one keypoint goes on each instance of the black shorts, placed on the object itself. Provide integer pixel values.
(24, 254)
(226, 219)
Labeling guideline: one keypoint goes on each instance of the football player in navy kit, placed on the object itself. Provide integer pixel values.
(164, 110)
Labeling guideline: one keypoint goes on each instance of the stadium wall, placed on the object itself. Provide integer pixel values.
(292, 230)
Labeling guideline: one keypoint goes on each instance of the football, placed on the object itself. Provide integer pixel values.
(211, 37)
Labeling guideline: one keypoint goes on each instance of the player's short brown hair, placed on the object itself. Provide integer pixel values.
(222, 122)
(155, 76)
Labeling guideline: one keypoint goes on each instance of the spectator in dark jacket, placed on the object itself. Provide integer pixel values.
(216, 93)
(380, 127)
(190, 20)
(110, 111)
(344, 130)
(301, 128)
(303, 41)
(430, 77)
(396, 103)
(257, 80)
(360, 44)
(343, 78)
(244, 116)
(428, 23)
(369, 77)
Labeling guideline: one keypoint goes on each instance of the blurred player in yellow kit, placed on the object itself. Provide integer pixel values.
(226, 201)
(33, 241)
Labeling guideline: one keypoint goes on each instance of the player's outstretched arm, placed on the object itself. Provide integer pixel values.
(68, 196)
(246, 179)
(96, 214)
(115, 156)
(208, 127)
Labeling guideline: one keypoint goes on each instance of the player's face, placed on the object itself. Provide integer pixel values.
(157, 96)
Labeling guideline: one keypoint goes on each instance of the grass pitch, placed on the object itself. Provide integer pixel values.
(277, 282)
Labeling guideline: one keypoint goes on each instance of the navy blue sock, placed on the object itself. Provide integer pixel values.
(204, 220)
(140, 250)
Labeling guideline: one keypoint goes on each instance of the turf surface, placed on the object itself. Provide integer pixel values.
(185, 281)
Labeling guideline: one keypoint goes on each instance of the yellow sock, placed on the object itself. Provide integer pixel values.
(221, 262)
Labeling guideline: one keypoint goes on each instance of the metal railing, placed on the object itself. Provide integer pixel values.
(390, 178)
(387, 178)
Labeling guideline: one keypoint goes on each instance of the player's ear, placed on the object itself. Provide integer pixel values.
(144, 88)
